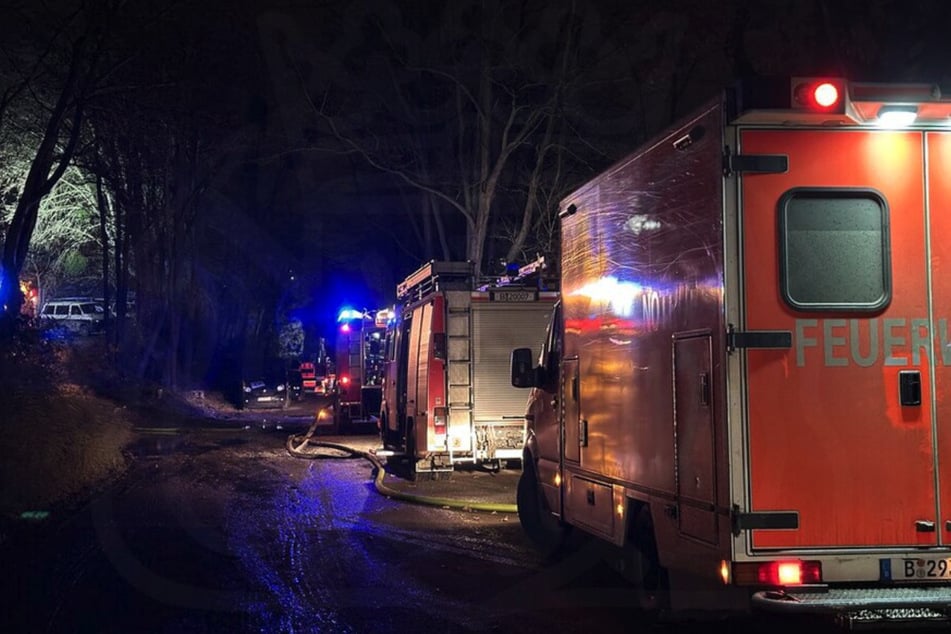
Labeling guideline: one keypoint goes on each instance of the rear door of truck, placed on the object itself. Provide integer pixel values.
(850, 427)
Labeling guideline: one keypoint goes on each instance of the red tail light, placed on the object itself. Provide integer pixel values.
(345, 380)
(777, 573)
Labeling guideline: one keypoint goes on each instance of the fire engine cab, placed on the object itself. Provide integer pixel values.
(747, 383)
(446, 398)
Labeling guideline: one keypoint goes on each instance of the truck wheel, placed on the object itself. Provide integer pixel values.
(545, 531)
(649, 577)
(384, 430)
(410, 450)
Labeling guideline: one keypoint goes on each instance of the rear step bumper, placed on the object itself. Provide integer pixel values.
(864, 606)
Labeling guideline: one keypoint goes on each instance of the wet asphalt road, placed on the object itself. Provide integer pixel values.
(221, 530)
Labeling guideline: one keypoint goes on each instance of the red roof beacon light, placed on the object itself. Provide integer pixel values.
(826, 95)
(822, 95)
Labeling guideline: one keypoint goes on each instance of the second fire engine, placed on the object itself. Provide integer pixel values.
(446, 398)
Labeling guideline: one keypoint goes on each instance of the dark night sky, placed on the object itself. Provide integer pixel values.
(335, 47)
(289, 199)
(348, 224)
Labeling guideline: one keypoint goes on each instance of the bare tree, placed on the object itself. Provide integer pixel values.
(453, 104)
(61, 121)
(173, 159)
(65, 233)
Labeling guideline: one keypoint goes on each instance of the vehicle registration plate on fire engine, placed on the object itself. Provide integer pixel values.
(921, 569)
(513, 296)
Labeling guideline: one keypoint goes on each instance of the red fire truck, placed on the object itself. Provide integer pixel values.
(358, 382)
(317, 372)
(446, 397)
(747, 384)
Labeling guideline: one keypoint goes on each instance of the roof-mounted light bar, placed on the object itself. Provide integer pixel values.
(832, 101)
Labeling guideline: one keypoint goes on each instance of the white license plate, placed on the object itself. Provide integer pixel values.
(266, 399)
(513, 296)
(921, 569)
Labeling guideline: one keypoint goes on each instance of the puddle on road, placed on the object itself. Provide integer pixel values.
(173, 441)
(153, 446)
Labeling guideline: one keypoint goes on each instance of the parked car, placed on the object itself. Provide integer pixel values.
(78, 315)
(265, 389)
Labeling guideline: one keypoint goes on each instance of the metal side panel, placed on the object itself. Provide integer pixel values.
(590, 504)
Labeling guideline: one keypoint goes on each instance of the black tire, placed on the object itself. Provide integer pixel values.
(411, 451)
(651, 582)
(384, 430)
(544, 530)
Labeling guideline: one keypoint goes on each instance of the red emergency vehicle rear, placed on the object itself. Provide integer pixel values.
(751, 359)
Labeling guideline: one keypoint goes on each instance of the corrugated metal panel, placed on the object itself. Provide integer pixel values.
(497, 328)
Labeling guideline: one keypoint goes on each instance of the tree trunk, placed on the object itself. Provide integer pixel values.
(103, 204)
(528, 211)
(39, 182)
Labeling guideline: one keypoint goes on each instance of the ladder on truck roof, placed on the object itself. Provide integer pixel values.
(434, 276)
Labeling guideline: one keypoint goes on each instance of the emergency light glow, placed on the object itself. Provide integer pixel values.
(897, 116)
(345, 328)
(773, 573)
(349, 313)
(817, 94)
(826, 95)
(790, 573)
(725, 571)
(345, 380)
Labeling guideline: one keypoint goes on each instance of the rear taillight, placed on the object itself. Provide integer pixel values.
(777, 573)
(440, 414)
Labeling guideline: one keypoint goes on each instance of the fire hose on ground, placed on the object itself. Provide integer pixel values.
(296, 444)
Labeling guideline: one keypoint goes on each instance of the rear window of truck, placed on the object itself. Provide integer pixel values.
(834, 249)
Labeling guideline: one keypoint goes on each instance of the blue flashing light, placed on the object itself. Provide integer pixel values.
(348, 314)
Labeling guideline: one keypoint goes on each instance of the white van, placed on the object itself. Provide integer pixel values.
(83, 316)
